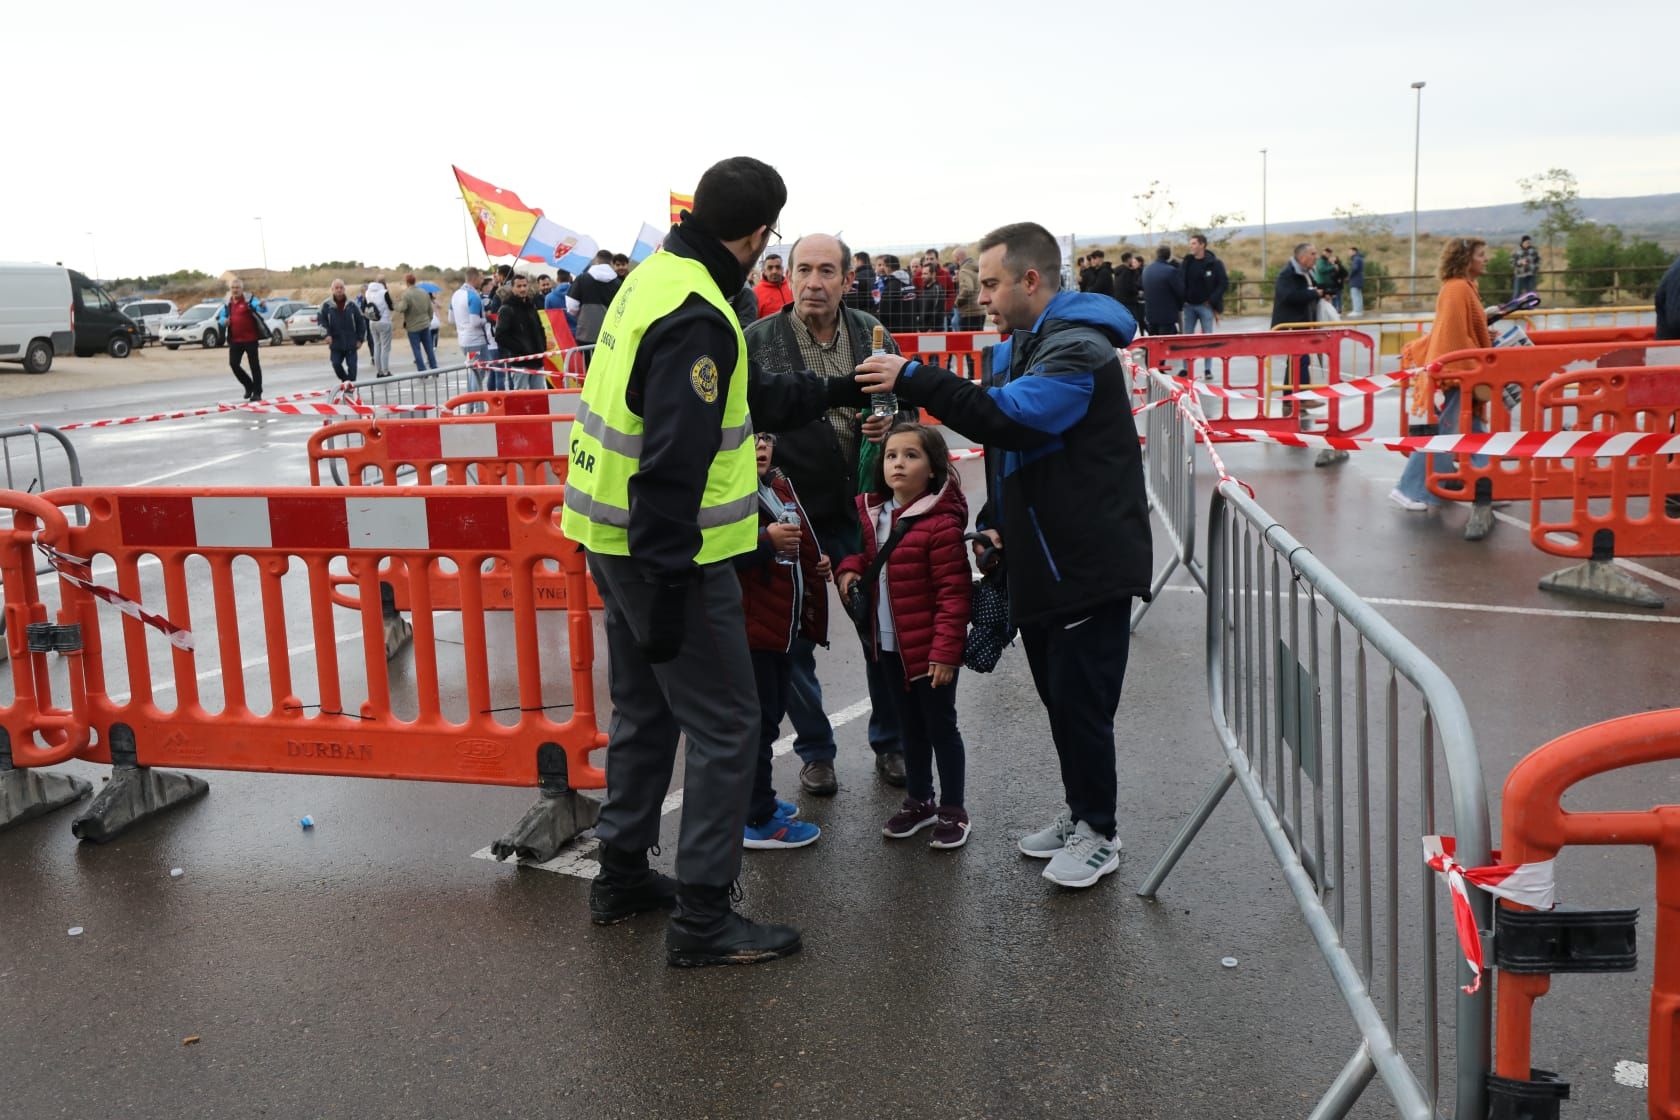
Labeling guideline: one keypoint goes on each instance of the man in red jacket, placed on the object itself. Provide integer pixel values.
(773, 290)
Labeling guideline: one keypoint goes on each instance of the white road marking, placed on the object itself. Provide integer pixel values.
(1488, 608)
(1637, 569)
(196, 467)
(1635, 1075)
(578, 857)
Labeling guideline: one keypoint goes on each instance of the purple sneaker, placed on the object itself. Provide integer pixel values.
(952, 829)
(911, 819)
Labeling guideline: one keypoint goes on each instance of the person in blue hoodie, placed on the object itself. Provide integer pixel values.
(1065, 503)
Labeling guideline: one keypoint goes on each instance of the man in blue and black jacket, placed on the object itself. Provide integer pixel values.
(1065, 497)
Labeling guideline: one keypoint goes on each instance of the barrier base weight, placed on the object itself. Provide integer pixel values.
(133, 794)
(547, 826)
(1601, 579)
(27, 794)
(398, 630)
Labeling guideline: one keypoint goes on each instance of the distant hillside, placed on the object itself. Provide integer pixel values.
(1651, 215)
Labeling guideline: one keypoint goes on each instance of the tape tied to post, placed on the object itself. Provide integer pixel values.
(70, 569)
(1528, 884)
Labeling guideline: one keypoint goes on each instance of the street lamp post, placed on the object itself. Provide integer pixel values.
(1417, 132)
(93, 244)
(1263, 256)
(262, 237)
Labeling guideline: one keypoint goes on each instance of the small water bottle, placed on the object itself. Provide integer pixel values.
(789, 557)
(882, 404)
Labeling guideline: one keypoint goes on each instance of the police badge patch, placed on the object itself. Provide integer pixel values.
(703, 375)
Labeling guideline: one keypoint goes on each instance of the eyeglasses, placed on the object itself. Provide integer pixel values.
(775, 233)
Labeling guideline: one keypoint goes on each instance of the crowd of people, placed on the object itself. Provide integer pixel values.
(725, 467)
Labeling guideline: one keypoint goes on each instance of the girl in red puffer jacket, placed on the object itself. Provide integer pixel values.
(921, 606)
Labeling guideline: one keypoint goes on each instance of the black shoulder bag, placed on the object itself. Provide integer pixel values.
(988, 626)
(857, 603)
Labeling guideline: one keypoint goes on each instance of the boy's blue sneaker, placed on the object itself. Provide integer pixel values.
(781, 832)
(785, 810)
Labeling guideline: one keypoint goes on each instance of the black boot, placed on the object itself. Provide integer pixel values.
(626, 887)
(707, 930)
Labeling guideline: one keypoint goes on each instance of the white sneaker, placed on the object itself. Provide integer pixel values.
(1085, 858)
(1047, 841)
(1406, 503)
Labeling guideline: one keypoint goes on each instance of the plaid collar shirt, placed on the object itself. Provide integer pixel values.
(833, 358)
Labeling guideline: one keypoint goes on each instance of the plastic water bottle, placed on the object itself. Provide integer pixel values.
(790, 557)
(882, 404)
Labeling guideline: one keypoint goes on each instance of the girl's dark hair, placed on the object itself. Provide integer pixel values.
(933, 446)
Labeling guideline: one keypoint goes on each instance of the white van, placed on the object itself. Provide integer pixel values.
(37, 316)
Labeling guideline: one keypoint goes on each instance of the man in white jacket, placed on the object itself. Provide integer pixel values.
(466, 311)
(378, 308)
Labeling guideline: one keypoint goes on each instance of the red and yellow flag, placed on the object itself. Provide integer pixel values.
(679, 203)
(568, 366)
(503, 222)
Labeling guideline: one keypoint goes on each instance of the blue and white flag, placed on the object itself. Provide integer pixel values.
(647, 243)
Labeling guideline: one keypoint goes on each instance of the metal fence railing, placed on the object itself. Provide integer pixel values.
(26, 467)
(1169, 478)
(1317, 701)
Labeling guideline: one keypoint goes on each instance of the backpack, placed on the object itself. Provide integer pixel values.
(372, 311)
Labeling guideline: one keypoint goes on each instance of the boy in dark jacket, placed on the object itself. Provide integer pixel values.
(519, 332)
(783, 598)
(1065, 499)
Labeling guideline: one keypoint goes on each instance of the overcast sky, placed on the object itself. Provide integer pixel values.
(164, 130)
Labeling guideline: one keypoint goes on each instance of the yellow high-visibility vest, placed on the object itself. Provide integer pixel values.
(606, 437)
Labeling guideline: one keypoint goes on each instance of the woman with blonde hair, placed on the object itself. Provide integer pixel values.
(1460, 324)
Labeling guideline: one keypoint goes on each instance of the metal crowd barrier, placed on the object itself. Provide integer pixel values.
(34, 480)
(1312, 695)
(1169, 478)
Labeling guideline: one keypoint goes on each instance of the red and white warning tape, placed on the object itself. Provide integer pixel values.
(1361, 387)
(1508, 445)
(963, 453)
(1527, 884)
(295, 404)
(502, 363)
(70, 568)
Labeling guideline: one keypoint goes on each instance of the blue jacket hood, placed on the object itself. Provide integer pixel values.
(1090, 309)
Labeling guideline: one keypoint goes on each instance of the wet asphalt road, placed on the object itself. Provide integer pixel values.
(370, 967)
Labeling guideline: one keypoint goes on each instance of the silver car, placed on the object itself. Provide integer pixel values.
(196, 325)
(304, 325)
(279, 310)
(150, 314)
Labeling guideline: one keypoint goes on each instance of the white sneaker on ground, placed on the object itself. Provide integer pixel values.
(1406, 503)
(1047, 841)
(1085, 858)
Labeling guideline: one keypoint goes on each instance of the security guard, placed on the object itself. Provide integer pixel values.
(662, 493)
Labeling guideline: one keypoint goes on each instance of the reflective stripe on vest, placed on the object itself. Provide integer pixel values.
(607, 437)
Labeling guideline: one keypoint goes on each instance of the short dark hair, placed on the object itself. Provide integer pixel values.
(857, 258)
(1096, 254)
(562, 276)
(504, 270)
(1163, 252)
(1027, 245)
(846, 254)
(933, 446)
(620, 258)
(738, 195)
(603, 257)
(1199, 237)
(889, 260)
(768, 257)
(1126, 256)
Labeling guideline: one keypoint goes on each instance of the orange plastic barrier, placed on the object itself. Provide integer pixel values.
(516, 402)
(1617, 506)
(1514, 372)
(508, 450)
(957, 351)
(1264, 363)
(501, 733)
(1577, 335)
(1536, 827)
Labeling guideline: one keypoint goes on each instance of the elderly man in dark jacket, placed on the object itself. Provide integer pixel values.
(519, 332)
(346, 328)
(1065, 499)
(819, 333)
(1163, 293)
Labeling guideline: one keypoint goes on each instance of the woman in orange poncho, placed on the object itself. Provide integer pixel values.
(1460, 324)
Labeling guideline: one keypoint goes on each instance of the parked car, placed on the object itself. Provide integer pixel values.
(100, 325)
(279, 310)
(197, 324)
(304, 325)
(150, 314)
(37, 315)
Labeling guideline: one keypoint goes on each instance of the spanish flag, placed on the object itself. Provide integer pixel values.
(679, 203)
(503, 222)
(566, 367)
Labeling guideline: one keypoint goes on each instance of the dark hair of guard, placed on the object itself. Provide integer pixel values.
(738, 195)
(933, 446)
(1027, 245)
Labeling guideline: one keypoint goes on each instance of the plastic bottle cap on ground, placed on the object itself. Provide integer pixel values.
(307, 822)
(176, 873)
(1229, 962)
(75, 931)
